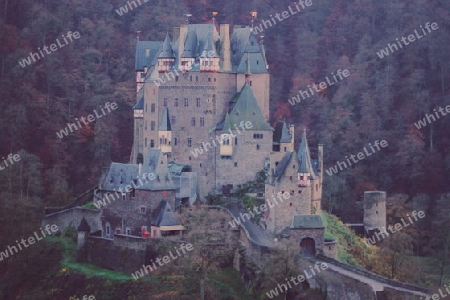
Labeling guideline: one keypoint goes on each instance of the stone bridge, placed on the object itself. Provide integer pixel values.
(340, 281)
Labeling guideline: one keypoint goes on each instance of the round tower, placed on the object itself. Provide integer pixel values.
(374, 211)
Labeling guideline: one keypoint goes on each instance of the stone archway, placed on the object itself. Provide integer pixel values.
(307, 247)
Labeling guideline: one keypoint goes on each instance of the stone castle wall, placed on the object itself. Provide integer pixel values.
(72, 218)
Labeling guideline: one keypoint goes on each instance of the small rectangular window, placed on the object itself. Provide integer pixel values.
(189, 142)
(198, 102)
(175, 102)
(193, 121)
(186, 102)
(152, 107)
(152, 125)
(202, 122)
(143, 209)
(166, 101)
(235, 164)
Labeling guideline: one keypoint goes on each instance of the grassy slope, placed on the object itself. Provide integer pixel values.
(351, 248)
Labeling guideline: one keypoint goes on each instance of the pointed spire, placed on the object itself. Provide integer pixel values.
(304, 158)
(209, 47)
(166, 51)
(165, 121)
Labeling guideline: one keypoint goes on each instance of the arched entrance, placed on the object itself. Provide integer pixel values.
(307, 247)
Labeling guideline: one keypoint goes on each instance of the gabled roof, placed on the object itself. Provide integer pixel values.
(164, 215)
(165, 121)
(281, 133)
(166, 51)
(304, 158)
(142, 59)
(307, 222)
(245, 109)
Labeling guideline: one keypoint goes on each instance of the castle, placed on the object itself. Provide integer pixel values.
(201, 127)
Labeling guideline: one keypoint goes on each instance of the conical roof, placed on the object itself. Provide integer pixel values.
(166, 50)
(304, 158)
(190, 45)
(209, 47)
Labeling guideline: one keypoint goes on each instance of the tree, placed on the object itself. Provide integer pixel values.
(208, 232)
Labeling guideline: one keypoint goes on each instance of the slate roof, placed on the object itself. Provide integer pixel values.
(165, 121)
(246, 52)
(177, 169)
(307, 222)
(140, 104)
(154, 162)
(244, 44)
(281, 167)
(281, 133)
(164, 215)
(190, 45)
(304, 157)
(209, 47)
(141, 59)
(166, 51)
(245, 109)
(118, 176)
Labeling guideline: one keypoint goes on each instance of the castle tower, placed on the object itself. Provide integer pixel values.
(166, 57)
(165, 133)
(292, 174)
(374, 211)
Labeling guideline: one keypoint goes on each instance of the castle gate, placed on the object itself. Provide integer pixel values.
(307, 247)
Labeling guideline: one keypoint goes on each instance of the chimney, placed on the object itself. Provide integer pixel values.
(183, 34)
(225, 51)
(175, 34)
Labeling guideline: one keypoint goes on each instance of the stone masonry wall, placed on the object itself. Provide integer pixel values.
(72, 218)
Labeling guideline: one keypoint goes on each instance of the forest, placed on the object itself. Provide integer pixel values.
(382, 99)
